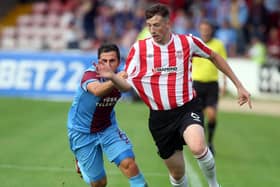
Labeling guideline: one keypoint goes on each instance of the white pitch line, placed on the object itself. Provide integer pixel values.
(193, 176)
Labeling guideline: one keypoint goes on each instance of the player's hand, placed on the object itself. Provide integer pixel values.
(122, 74)
(104, 70)
(244, 97)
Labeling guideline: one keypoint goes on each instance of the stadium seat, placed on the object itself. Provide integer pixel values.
(38, 19)
(24, 20)
(39, 8)
(8, 39)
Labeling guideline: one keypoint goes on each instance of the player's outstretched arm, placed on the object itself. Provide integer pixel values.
(100, 89)
(118, 80)
(243, 94)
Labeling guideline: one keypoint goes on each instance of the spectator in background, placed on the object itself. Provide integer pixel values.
(257, 50)
(190, 27)
(238, 16)
(257, 20)
(73, 35)
(87, 14)
(139, 18)
(179, 22)
(227, 35)
(183, 23)
(198, 12)
(206, 78)
(129, 36)
(120, 18)
(210, 6)
(105, 31)
(273, 46)
(223, 12)
(89, 10)
(273, 8)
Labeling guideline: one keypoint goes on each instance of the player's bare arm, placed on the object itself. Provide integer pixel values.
(100, 89)
(243, 94)
(103, 88)
(117, 79)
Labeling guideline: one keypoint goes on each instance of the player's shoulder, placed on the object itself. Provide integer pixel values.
(180, 35)
(91, 68)
(142, 40)
(189, 36)
(136, 46)
(184, 37)
(90, 73)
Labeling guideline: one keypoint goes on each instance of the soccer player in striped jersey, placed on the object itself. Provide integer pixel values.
(93, 129)
(206, 79)
(159, 68)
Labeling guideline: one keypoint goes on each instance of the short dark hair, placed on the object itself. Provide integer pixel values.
(157, 9)
(108, 47)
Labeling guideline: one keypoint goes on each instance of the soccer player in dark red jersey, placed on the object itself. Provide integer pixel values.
(93, 129)
(159, 69)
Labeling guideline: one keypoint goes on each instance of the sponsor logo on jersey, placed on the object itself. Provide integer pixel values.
(108, 101)
(165, 69)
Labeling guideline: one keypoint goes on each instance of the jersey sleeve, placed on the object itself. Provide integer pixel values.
(199, 48)
(89, 76)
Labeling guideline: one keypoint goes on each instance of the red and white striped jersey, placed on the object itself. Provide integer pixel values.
(162, 74)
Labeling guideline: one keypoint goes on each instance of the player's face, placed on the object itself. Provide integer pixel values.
(110, 58)
(159, 28)
(205, 32)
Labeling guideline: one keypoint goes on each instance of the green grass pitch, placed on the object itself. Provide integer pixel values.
(34, 148)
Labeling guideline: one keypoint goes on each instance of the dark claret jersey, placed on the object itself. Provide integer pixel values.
(90, 113)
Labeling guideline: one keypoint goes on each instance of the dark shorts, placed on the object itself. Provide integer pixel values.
(167, 126)
(207, 92)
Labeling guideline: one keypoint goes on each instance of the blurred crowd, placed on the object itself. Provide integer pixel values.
(245, 26)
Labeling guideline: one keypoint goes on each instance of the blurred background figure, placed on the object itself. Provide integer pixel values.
(58, 25)
(273, 46)
(238, 16)
(183, 23)
(82, 25)
(257, 23)
(257, 50)
(206, 78)
(228, 36)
